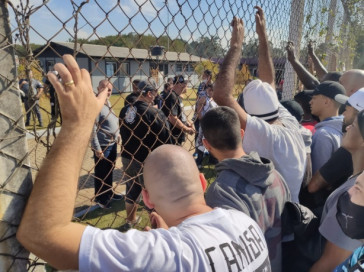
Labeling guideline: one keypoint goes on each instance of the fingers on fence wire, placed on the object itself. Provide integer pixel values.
(72, 68)
(260, 20)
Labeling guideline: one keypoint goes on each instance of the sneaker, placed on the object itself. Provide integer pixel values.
(103, 204)
(117, 196)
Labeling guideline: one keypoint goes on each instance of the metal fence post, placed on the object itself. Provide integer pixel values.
(15, 175)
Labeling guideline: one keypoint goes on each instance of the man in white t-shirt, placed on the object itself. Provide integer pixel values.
(268, 130)
(190, 235)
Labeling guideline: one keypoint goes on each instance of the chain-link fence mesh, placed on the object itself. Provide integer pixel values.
(154, 41)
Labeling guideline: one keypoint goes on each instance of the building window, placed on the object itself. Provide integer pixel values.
(49, 65)
(179, 67)
(124, 69)
(189, 68)
(111, 68)
(163, 68)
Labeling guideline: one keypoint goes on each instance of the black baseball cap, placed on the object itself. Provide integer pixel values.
(180, 79)
(145, 86)
(329, 89)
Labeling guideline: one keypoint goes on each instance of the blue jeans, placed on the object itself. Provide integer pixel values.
(104, 172)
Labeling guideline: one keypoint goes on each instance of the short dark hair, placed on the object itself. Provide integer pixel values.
(332, 76)
(136, 82)
(208, 72)
(221, 128)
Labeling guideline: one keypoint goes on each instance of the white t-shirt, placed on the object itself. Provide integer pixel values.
(283, 145)
(215, 241)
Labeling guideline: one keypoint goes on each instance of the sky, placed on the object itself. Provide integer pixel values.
(187, 20)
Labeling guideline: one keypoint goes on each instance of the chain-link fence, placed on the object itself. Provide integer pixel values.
(126, 42)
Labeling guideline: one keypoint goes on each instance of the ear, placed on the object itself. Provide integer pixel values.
(146, 199)
(206, 144)
(203, 182)
(242, 132)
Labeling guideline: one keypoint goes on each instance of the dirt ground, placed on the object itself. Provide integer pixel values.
(37, 151)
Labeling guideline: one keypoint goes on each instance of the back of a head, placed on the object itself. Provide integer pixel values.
(294, 108)
(332, 76)
(221, 128)
(352, 80)
(261, 100)
(172, 179)
(304, 100)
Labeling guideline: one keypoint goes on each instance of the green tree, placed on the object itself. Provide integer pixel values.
(207, 64)
(206, 47)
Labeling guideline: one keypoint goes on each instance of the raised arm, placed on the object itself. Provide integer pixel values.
(307, 79)
(224, 84)
(319, 67)
(46, 228)
(265, 62)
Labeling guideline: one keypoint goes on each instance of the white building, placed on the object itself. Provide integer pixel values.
(120, 65)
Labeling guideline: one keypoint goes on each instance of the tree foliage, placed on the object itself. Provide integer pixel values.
(207, 64)
(206, 47)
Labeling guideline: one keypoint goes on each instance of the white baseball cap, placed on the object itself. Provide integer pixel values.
(356, 100)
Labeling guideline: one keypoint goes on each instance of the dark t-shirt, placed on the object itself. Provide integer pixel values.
(142, 128)
(25, 87)
(173, 105)
(338, 168)
(51, 90)
(131, 98)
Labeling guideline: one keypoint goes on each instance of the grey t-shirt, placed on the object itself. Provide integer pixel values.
(329, 227)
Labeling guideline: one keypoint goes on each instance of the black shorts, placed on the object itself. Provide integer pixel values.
(134, 179)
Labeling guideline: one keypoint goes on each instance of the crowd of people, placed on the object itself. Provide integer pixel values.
(289, 191)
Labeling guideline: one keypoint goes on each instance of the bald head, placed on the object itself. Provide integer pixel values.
(172, 179)
(105, 84)
(352, 81)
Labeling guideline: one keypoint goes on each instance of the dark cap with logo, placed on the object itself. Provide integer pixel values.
(329, 89)
(180, 79)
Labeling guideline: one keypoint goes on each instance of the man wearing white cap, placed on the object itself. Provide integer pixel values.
(277, 139)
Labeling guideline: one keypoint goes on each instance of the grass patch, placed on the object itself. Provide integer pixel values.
(114, 217)
(117, 102)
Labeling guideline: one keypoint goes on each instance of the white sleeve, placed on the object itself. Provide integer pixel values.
(259, 136)
(283, 113)
(111, 250)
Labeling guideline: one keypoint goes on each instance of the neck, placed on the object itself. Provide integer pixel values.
(328, 114)
(229, 154)
(358, 161)
(193, 210)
